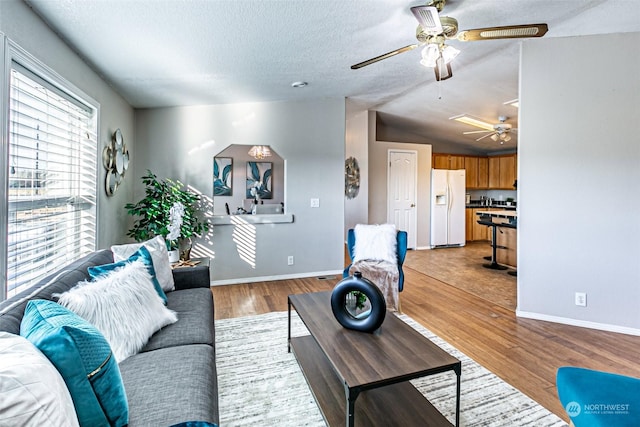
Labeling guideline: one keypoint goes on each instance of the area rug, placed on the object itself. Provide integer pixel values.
(260, 384)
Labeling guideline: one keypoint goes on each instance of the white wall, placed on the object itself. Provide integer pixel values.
(310, 135)
(579, 181)
(27, 30)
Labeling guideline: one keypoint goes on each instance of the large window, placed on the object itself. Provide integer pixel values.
(51, 176)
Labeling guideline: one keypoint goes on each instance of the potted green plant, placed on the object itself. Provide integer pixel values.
(167, 210)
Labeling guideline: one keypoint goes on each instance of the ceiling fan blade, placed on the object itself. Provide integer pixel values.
(384, 56)
(508, 32)
(428, 19)
(476, 131)
(484, 136)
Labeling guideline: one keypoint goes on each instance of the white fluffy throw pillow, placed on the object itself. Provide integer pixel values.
(123, 305)
(159, 254)
(375, 243)
(32, 391)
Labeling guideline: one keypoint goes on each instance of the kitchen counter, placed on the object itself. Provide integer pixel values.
(500, 214)
(492, 206)
(506, 240)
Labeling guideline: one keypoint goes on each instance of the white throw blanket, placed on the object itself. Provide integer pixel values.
(384, 275)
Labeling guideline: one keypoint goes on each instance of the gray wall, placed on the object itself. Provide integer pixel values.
(357, 146)
(28, 31)
(579, 177)
(180, 143)
(378, 158)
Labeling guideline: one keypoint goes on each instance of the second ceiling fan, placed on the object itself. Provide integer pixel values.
(497, 132)
(433, 30)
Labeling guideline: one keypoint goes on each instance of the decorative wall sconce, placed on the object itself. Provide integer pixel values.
(115, 158)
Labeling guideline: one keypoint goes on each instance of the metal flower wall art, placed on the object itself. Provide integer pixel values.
(115, 159)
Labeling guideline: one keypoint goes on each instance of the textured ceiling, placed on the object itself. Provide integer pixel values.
(186, 52)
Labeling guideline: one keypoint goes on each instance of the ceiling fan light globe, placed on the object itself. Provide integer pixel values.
(494, 137)
(429, 55)
(449, 53)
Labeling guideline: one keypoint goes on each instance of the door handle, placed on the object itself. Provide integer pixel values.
(413, 205)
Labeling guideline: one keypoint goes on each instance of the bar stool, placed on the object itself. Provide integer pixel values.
(486, 220)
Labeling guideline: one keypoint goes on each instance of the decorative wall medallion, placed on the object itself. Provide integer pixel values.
(351, 178)
(115, 159)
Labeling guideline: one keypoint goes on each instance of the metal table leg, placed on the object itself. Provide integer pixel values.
(351, 395)
(289, 327)
(458, 371)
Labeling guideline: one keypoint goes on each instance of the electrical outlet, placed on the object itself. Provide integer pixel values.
(315, 203)
(581, 299)
(290, 260)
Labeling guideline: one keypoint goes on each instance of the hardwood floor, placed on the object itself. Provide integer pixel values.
(525, 353)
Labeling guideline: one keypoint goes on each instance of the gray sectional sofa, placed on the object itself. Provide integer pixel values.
(173, 379)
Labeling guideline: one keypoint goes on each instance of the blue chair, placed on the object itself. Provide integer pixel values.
(401, 249)
(598, 399)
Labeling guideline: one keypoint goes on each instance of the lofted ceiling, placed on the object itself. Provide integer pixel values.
(159, 53)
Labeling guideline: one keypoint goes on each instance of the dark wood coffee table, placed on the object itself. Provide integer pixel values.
(341, 365)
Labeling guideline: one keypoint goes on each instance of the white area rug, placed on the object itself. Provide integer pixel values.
(260, 384)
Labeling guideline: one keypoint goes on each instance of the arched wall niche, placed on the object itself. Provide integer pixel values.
(237, 171)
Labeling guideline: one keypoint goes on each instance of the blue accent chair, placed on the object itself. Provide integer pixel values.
(401, 249)
(598, 399)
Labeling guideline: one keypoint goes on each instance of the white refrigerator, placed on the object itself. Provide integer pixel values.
(447, 207)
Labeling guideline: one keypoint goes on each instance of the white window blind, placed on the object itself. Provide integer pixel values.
(52, 179)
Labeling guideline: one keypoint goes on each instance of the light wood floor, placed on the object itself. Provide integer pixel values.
(525, 353)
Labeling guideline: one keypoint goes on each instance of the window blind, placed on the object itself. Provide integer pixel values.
(52, 179)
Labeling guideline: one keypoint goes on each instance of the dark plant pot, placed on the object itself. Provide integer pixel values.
(350, 319)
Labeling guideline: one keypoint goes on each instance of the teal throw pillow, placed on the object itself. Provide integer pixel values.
(84, 359)
(142, 254)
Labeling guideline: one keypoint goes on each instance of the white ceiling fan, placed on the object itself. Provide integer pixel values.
(433, 30)
(497, 132)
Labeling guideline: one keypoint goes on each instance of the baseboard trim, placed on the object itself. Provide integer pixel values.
(279, 277)
(422, 248)
(580, 323)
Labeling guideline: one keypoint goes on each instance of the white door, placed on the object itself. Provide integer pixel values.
(401, 192)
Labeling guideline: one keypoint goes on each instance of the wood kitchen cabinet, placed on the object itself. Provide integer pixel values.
(507, 171)
(507, 241)
(480, 232)
(440, 161)
(475, 231)
(456, 162)
(477, 172)
(502, 171)
(493, 173)
(483, 172)
(471, 171)
(468, 224)
(447, 161)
